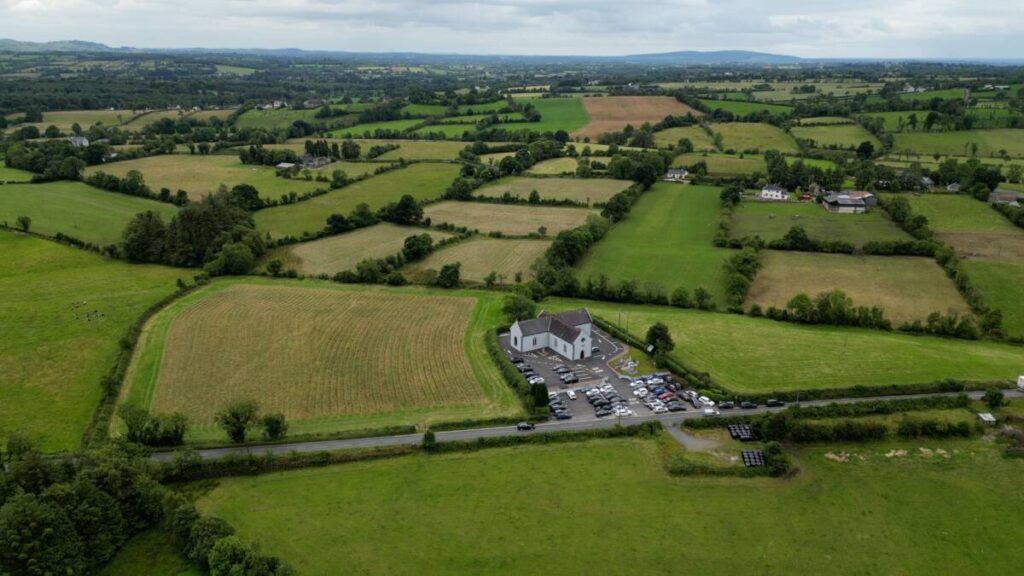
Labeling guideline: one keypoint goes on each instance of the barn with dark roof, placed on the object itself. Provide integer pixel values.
(567, 334)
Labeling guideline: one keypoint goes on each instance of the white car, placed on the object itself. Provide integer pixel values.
(710, 412)
(655, 381)
(706, 401)
(659, 409)
(571, 394)
(536, 380)
(640, 392)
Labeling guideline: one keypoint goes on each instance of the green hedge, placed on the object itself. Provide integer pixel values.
(512, 376)
(188, 466)
(636, 430)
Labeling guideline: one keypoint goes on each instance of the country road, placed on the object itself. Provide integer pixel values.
(553, 426)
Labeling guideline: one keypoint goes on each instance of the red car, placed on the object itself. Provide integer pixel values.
(666, 396)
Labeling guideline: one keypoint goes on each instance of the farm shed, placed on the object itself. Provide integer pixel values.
(847, 203)
(567, 334)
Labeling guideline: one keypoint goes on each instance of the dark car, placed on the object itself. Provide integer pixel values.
(525, 426)
(562, 369)
(563, 415)
(517, 360)
(727, 405)
(675, 407)
(773, 403)
(747, 405)
(602, 413)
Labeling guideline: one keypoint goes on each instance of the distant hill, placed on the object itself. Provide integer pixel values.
(8, 45)
(713, 57)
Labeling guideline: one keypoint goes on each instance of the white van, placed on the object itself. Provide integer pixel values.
(1020, 383)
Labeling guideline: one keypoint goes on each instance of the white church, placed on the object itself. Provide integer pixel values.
(567, 334)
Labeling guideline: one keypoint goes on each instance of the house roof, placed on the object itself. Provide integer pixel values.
(773, 188)
(565, 325)
(843, 200)
(1001, 195)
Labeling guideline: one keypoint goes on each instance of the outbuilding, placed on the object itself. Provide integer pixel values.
(568, 334)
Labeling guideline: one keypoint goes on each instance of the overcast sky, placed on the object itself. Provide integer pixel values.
(810, 28)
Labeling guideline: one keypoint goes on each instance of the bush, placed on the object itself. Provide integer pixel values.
(274, 426)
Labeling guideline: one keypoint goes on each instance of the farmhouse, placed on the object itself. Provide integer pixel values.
(313, 103)
(567, 334)
(79, 141)
(310, 161)
(1002, 196)
(774, 192)
(676, 174)
(843, 204)
(954, 187)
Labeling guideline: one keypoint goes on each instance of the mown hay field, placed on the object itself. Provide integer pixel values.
(884, 511)
(63, 313)
(279, 119)
(145, 119)
(740, 136)
(989, 142)
(670, 137)
(970, 226)
(612, 113)
(75, 209)
(758, 355)
(421, 181)
(344, 251)
(65, 119)
(586, 190)
(203, 175)
(907, 288)
(666, 240)
(836, 135)
(555, 166)
(731, 165)
(481, 256)
(771, 221)
(512, 219)
(556, 114)
(329, 357)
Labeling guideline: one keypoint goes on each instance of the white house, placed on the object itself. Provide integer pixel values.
(79, 141)
(676, 174)
(567, 334)
(774, 192)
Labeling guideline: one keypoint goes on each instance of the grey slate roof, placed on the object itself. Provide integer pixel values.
(564, 325)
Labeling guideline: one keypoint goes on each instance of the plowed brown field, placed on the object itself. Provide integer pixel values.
(612, 113)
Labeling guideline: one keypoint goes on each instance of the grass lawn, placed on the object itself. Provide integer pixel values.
(836, 135)
(740, 136)
(748, 354)
(665, 239)
(556, 114)
(280, 119)
(744, 108)
(972, 227)
(13, 174)
(907, 288)
(771, 221)
(75, 209)
(329, 356)
(202, 175)
(670, 137)
(52, 356)
(481, 256)
(156, 550)
(511, 219)
(422, 181)
(917, 514)
(343, 251)
(1001, 283)
(989, 142)
(555, 166)
(587, 190)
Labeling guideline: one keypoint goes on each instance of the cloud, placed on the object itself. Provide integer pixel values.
(869, 28)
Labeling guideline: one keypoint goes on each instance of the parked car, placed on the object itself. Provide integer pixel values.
(595, 350)
(747, 405)
(571, 394)
(561, 369)
(773, 403)
(525, 426)
(711, 412)
(727, 405)
(641, 392)
(517, 360)
(563, 415)
(660, 409)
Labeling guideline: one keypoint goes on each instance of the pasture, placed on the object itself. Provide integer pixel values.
(13, 174)
(884, 515)
(741, 136)
(555, 166)
(970, 226)
(65, 119)
(989, 142)
(369, 130)
(425, 110)
(907, 288)
(1001, 284)
(421, 181)
(585, 190)
(510, 219)
(481, 256)
(740, 108)
(329, 356)
(203, 175)
(280, 119)
(731, 165)
(835, 135)
(670, 137)
(771, 220)
(145, 119)
(408, 149)
(63, 313)
(344, 251)
(612, 113)
(75, 209)
(451, 131)
(556, 114)
(824, 121)
(757, 355)
(667, 240)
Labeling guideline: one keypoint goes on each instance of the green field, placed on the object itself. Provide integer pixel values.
(344, 251)
(202, 175)
(509, 219)
(371, 128)
(556, 114)
(408, 149)
(531, 510)
(824, 120)
(972, 227)
(52, 356)
(236, 70)
(835, 135)
(450, 131)
(740, 136)
(665, 239)
(478, 257)
(280, 119)
(143, 120)
(731, 165)
(907, 288)
(555, 167)
(156, 550)
(744, 108)
(891, 120)
(1001, 284)
(329, 356)
(65, 119)
(465, 109)
(75, 209)
(586, 190)
(13, 174)
(422, 181)
(754, 355)
(990, 142)
(771, 220)
(670, 137)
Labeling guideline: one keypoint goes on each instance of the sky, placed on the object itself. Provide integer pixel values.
(818, 28)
